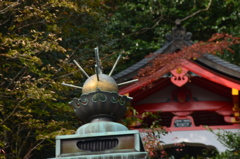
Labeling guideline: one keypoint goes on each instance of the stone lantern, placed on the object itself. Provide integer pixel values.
(100, 106)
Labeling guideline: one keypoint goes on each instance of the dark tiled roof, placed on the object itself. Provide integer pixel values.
(131, 71)
(221, 66)
(208, 60)
(223, 62)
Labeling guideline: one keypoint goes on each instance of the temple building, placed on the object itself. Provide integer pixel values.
(198, 93)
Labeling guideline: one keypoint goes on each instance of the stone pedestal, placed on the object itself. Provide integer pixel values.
(103, 145)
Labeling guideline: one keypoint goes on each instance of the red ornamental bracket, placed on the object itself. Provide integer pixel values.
(179, 77)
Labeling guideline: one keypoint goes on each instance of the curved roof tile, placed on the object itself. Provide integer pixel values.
(179, 35)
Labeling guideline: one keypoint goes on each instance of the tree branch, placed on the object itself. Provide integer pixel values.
(16, 76)
(10, 6)
(201, 10)
(12, 111)
(27, 156)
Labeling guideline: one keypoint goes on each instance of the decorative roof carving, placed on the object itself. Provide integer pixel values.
(178, 33)
(179, 77)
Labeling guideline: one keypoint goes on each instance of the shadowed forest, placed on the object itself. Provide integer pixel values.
(39, 39)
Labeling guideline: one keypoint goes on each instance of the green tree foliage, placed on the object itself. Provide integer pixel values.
(230, 140)
(38, 41)
(140, 25)
(40, 38)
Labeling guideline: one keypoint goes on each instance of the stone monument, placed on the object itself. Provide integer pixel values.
(100, 106)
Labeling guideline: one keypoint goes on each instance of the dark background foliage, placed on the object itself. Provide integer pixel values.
(39, 39)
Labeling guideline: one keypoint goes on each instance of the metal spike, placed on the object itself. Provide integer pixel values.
(70, 85)
(98, 62)
(97, 73)
(115, 64)
(80, 68)
(127, 82)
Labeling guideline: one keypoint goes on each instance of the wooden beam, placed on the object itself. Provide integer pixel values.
(187, 106)
(210, 75)
(235, 98)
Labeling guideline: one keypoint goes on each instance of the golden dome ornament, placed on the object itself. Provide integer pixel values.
(100, 99)
(105, 83)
